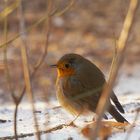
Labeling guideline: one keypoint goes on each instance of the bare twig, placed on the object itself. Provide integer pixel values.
(7, 72)
(28, 85)
(121, 46)
(70, 4)
(8, 9)
(26, 70)
(41, 132)
(15, 121)
(38, 22)
(114, 57)
(39, 62)
(36, 67)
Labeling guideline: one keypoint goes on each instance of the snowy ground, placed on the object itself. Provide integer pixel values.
(49, 117)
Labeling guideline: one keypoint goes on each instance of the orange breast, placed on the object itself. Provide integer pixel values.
(65, 72)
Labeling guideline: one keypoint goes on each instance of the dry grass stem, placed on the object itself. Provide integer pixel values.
(58, 127)
(39, 62)
(38, 22)
(26, 70)
(121, 46)
(7, 71)
(9, 9)
(114, 57)
(70, 4)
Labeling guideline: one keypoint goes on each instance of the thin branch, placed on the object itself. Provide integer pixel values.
(114, 58)
(39, 62)
(42, 58)
(121, 46)
(8, 9)
(28, 86)
(70, 4)
(36, 67)
(7, 72)
(8, 77)
(15, 121)
(26, 70)
(38, 22)
(59, 127)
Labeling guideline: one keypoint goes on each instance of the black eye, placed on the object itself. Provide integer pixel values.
(67, 65)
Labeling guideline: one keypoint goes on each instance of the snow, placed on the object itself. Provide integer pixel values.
(49, 117)
(135, 135)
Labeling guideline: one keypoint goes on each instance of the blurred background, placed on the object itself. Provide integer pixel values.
(89, 28)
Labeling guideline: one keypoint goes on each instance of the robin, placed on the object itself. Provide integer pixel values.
(79, 87)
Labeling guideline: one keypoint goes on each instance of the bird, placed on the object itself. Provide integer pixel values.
(79, 86)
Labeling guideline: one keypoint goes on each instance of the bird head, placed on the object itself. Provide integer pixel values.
(68, 65)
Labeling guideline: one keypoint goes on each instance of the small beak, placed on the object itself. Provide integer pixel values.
(53, 66)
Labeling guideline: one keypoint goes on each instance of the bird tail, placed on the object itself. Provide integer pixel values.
(117, 103)
(118, 117)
